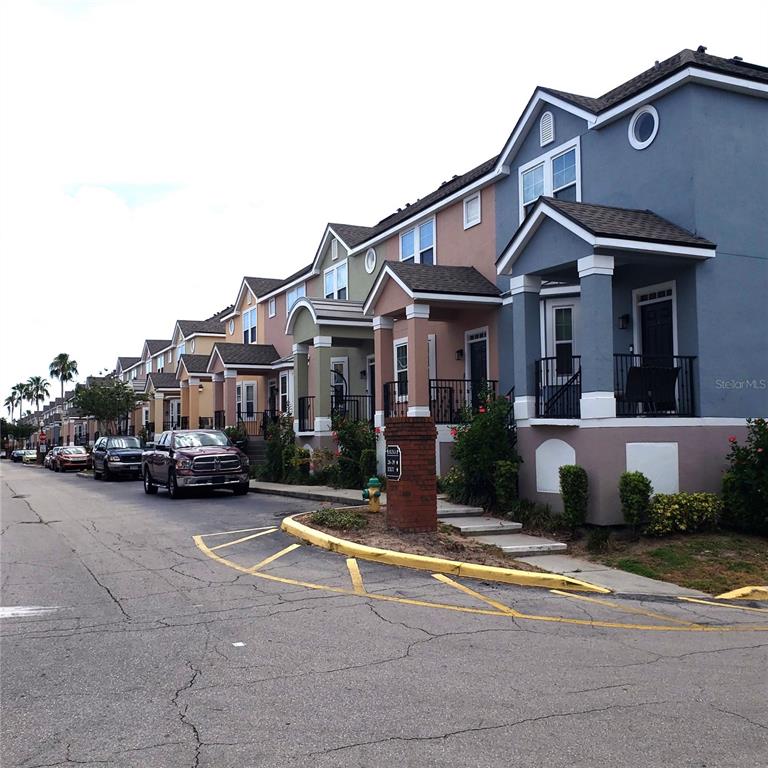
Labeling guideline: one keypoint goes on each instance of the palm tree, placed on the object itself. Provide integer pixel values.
(37, 390)
(63, 368)
(10, 402)
(21, 395)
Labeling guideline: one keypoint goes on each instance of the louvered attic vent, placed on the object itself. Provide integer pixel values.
(546, 129)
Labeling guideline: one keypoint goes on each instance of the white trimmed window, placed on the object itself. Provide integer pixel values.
(471, 210)
(418, 244)
(293, 295)
(285, 404)
(401, 368)
(249, 326)
(272, 307)
(180, 350)
(335, 281)
(556, 174)
(148, 367)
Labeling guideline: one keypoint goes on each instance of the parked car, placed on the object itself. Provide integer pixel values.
(48, 460)
(71, 457)
(28, 456)
(116, 456)
(194, 458)
(17, 455)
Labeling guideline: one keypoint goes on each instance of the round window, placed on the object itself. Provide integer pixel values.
(643, 127)
(192, 345)
(370, 260)
(231, 327)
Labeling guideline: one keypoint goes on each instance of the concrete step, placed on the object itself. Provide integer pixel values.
(522, 544)
(456, 510)
(485, 524)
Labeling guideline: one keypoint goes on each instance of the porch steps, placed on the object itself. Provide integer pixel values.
(445, 511)
(480, 524)
(256, 450)
(522, 544)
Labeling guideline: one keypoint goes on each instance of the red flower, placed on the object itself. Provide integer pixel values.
(732, 439)
(759, 450)
(378, 430)
(481, 409)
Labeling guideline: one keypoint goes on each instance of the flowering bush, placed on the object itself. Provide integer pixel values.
(683, 513)
(745, 484)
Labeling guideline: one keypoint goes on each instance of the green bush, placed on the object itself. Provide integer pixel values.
(281, 451)
(353, 438)
(482, 440)
(533, 516)
(597, 540)
(237, 435)
(635, 491)
(745, 484)
(339, 519)
(505, 484)
(321, 466)
(574, 489)
(367, 464)
(452, 484)
(683, 513)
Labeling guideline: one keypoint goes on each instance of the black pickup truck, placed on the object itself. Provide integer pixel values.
(194, 458)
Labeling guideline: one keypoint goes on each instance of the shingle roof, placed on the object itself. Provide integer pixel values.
(127, 362)
(221, 313)
(337, 309)
(661, 71)
(195, 363)
(246, 354)
(443, 279)
(155, 345)
(200, 326)
(163, 380)
(627, 223)
(352, 234)
(262, 285)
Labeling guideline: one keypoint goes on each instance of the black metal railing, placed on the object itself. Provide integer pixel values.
(448, 398)
(255, 423)
(183, 422)
(306, 414)
(558, 387)
(647, 385)
(219, 419)
(171, 424)
(354, 407)
(149, 429)
(205, 422)
(396, 398)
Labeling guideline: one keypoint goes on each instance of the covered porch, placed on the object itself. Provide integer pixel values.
(196, 392)
(334, 365)
(163, 393)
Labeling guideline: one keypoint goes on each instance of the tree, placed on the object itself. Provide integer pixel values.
(21, 395)
(63, 368)
(10, 402)
(106, 401)
(37, 390)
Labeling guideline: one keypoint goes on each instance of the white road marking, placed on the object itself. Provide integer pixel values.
(25, 611)
(238, 644)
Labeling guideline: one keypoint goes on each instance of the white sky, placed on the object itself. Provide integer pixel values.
(153, 153)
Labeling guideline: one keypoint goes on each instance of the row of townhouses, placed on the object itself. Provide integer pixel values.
(607, 271)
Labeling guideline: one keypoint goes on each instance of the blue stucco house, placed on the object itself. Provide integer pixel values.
(632, 239)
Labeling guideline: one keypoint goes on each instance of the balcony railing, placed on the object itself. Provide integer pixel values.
(255, 423)
(648, 385)
(306, 414)
(205, 422)
(219, 420)
(354, 407)
(448, 398)
(558, 387)
(396, 398)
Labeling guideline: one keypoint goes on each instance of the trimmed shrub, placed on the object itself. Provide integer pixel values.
(635, 491)
(353, 438)
(533, 516)
(281, 451)
(683, 513)
(574, 488)
(339, 519)
(505, 484)
(745, 484)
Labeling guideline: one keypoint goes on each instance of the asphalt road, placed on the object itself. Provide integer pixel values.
(141, 631)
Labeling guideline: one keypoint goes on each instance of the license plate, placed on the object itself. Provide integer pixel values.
(218, 481)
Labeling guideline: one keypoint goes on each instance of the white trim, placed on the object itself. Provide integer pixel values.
(396, 344)
(335, 269)
(417, 249)
(303, 277)
(300, 349)
(467, 356)
(598, 405)
(322, 341)
(524, 407)
(418, 311)
(457, 297)
(370, 270)
(636, 304)
(378, 419)
(230, 374)
(383, 323)
(272, 306)
(546, 160)
(418, 411)
(369, 384)
(595, 264)
(243, 284)
(468, 224)
(377, 286)
(524, 284)
(633, 140)
(322, 424)
(546, 128)
(334, 249)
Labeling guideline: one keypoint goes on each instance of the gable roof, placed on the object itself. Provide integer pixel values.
(188, 327)
(352, 234)
(157, 345)
(127, 362)
(161, 381)
(222, 313)
(194, 363)
(245, 354)
(261, 285)
(660, 71)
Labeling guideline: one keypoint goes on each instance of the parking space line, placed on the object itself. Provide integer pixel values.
(244, 538)
(267, 560)
(723, 605)
(623, 608)
(471, 592)
(354, 574)
(240, 530)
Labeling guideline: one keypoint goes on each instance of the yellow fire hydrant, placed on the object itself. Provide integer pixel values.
(372, 494)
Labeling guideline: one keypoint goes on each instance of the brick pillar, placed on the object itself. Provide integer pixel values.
(412, 500)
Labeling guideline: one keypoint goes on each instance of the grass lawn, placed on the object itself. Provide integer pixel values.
(710, 562)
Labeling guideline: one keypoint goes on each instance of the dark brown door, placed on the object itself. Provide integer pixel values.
(656, 329)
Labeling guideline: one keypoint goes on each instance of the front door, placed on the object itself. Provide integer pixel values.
(477, 353)
(657, 338)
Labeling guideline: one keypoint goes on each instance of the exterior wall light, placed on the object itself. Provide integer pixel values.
(623, 322)
(459, 354)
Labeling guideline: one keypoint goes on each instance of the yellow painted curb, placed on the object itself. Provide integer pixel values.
(745, 593)
(436, 564)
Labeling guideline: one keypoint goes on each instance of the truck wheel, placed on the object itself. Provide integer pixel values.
(173, 487)
(241, 489)
(149, 487)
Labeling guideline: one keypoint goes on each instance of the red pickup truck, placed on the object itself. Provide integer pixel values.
(194, 458)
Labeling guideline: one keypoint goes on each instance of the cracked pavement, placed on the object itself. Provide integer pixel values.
(136, 662)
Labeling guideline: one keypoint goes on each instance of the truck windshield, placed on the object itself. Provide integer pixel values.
(199, 439)
(124, 442)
